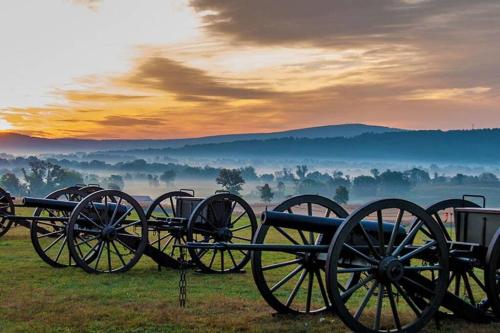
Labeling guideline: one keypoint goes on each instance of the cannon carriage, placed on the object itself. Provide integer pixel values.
(104, 231)
(388, 266)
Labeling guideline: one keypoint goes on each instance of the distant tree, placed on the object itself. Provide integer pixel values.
(44, 177)
(231, 180)
(417, 176)
(319, 177)
(301, 171)
(393, 182)
(168, 176)
(12, 184)
(458, 179)
(115, 182)
(337, 174)
(311, 186)
(248, 173)
(267, 177)
(375, 173)
(364, 186)
(341, 195)
(266, 194)
(69, 178)
(488, 177)
(285, 175)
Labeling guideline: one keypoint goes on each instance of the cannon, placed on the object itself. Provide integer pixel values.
(178, 217)
(104, 231)
(7, 205)
(388, 266)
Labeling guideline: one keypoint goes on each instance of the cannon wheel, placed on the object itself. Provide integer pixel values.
(118, 238)
(438, 209)
(89, 189)
(49, 238)
(162, 208)
(464, 281)
(397, 265)
(492, 273)
(6, 209)
(208, 224)
(298, 293)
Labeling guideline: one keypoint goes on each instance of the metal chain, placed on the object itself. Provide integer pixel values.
(182, 280)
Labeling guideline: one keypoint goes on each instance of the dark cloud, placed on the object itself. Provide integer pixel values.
(190, 83)
(454, 40)
(338, 22)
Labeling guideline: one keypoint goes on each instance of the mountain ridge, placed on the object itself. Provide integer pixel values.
(15, 143)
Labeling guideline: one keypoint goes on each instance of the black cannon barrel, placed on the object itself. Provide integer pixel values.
(65, 205)
(49, 204)
(326, 225)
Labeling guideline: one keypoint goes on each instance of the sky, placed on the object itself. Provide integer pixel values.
(172, 68)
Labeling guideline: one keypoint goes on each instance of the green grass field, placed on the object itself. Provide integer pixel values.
(35, 297)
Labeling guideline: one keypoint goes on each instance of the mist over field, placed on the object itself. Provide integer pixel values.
(369, 162)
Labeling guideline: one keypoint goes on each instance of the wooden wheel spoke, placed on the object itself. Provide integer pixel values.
(113, 215)
(378, 312)
(163, 210)
(213, 258)
(99, 254)
(322, 288)
(91, 221)
(232, 258)
(368, 240)
(408, 299)
(281, 264)
(118, 221)
(309, 291)
(395, 231)
(61, 249)
(86, 241)
(468, 288)
(50, 234)
(418, 250)
(238, 218)
(295, 289)
(118, 253)
(110, 269)
(241, 228)
(365, 301)
(360, 254)
(128, 225)
(51, 245)
(242, 238)
(286, 235)
(286, 278)
(380, 223)
(409, 237)
(394, 308)
(346, 294)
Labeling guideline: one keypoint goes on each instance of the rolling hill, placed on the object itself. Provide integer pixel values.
(432, 146)
(13, 143)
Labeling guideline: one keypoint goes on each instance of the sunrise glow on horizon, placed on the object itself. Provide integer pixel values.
(176, 69)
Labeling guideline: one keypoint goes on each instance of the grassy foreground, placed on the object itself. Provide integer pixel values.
(35, 297)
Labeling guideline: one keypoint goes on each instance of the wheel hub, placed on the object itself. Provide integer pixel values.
(390, 269)
(224, 235)
(109, 233)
